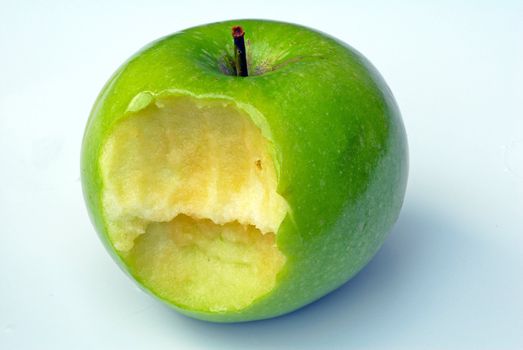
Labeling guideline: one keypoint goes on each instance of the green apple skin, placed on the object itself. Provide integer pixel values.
(335, 126)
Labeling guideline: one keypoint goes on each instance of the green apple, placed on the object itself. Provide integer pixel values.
(235, 198)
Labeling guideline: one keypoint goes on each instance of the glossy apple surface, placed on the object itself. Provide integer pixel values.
(241, 198)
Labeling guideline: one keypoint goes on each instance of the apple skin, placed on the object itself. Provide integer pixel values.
(338, 135)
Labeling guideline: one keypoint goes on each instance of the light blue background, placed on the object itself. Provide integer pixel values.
(450, 276)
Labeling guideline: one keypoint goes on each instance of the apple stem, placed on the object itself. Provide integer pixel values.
(240, 55)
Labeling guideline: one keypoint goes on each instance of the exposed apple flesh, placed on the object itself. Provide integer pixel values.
(204, 266)
(189, 196)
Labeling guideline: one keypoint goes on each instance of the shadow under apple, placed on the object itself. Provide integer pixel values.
(419, 255)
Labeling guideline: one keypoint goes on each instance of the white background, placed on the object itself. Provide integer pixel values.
(450, 276)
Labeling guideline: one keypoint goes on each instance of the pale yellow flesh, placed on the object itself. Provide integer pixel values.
(189, 196)
(213, 267)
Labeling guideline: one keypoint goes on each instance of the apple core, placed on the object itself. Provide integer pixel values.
(190, 202)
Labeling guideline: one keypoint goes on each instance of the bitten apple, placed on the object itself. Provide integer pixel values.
(237, 184)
